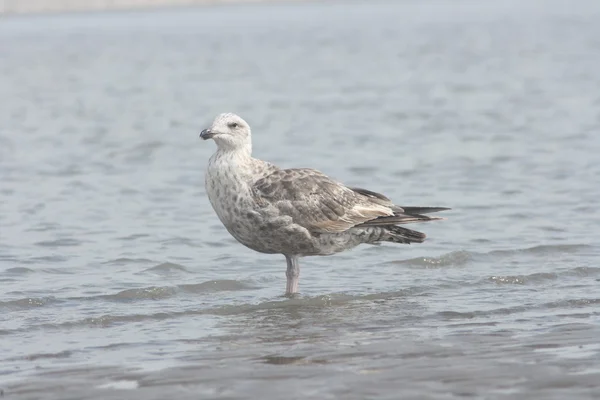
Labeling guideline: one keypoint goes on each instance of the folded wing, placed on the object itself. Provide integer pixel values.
(317, 202)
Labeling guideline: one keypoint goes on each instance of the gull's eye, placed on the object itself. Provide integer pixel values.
(232, 125)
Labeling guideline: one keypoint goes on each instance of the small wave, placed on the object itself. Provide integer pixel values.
(166, 268)
(585, 271)
(283, 360)
(453, 259)
(217, 244)
(295, 303)
(553, 228)
(19, 271)
(45, 259)
(473, 324)
(457, 315)
(163, 292)
(540, 277)
(543, 346)
(132, 295)
(321, 301)
(524, 279)
(27, 303)
(59, 243)
(181, 241)
(149, 293)
(38, 356)
(133, 237)
(544, 249)
(121, 384)
(42, 227)
(216, 286)
(290, 360)
(463, 257)
(26, 271)
(572, 303)
(57, 271)
(125, 261)
(473, 314)
(561, 304)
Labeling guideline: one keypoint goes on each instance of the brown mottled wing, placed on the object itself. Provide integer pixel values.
(317, 202)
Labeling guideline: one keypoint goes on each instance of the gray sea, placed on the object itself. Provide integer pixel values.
(117, 280)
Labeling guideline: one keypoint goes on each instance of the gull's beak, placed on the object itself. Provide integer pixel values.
(206, 134)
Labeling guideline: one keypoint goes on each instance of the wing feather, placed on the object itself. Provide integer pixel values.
(317, 202)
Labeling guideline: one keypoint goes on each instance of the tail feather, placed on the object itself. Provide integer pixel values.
(398, 234)
(399, 219)
(404, 215)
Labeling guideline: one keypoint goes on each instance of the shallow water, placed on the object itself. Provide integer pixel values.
(119, 281)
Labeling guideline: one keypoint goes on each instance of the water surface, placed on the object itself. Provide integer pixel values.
(119, 281)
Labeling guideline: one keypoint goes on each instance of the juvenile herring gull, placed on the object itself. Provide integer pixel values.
(296, 212)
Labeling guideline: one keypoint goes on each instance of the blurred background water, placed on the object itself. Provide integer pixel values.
(118, 281)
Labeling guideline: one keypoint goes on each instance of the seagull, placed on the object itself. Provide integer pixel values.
(296, 212)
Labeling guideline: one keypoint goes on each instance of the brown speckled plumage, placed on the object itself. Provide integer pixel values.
(295, 212)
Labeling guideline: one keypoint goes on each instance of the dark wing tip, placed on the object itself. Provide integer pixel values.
(370, 193)
(423, 210)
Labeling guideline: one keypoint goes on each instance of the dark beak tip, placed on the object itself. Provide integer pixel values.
(205, 134)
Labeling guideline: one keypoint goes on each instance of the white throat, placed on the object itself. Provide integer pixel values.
(226, 144)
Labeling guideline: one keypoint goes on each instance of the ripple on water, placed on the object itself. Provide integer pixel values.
(216, 286)
(152, 293)
(544, 249)
(181, 241)
(523, 279)
(162, 292)
(140, 194)
(463, 257)
(43, 227)
(452, 259)
(132, 295)
(166, 268)
(542, 277)
(568, 304)
(27, 303)
(134, 237)
(58, 271)
(126, 261)
(15, 271)
(19, 271)
(217, 244)
(65, 242)
(149, 293)
(38, 356)
(53, 259)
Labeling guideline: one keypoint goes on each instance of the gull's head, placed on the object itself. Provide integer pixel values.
(229, 131)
